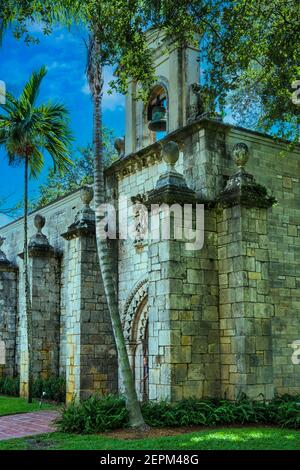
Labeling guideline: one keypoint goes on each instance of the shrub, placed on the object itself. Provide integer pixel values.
(53, 387)
(101, 414)
(97, 414)
(10, 386)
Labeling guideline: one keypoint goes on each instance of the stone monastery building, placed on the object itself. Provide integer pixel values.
(212, 322)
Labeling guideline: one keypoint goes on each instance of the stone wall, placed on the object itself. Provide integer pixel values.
(58, 215)
(245, 305)
(91, 360)
(45, 297)
(279, 170)
(8, 319)
(133, 262)
(221, 320)
(183, 313)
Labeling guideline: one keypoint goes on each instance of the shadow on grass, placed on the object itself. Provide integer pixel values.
(219, 439)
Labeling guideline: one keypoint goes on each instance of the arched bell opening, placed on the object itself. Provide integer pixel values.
(157, 113)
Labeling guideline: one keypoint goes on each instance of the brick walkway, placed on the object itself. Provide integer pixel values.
(27, 424)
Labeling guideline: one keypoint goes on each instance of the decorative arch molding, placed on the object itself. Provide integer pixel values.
(162, 81)
(136, 298)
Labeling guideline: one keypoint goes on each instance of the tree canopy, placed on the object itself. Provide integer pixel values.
(249, 48)
(59, 184)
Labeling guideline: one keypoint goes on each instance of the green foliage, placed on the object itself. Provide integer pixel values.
(248, 48)
(118, 25)
(28, 130)
(10, 386)
(52, 388)
(100, 414)
(94, 415)
(60, 183)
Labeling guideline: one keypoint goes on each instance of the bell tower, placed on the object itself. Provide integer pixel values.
(172, 100)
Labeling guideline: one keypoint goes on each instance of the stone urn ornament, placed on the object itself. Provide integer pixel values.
(170, 154)
(38, 239)
(86, 195)
(85, 217)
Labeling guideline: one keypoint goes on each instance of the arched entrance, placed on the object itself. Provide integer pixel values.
(140, 351)
(136, 333)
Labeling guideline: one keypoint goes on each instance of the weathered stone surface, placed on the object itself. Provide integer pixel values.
(211, 322)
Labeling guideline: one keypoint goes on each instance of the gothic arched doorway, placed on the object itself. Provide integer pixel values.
(140, 351)
(135, 325)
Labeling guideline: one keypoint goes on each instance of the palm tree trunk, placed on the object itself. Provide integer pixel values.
(135, 415)
(26, 284)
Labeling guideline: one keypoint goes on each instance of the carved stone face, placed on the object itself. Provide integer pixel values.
(2, 240)
(119, 145)
(240, 153)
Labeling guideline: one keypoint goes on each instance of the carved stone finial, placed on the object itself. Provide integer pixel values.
(84, 221)
(240, 153)
(241, 188)
(39, 222)
(170, 154)
(86, 195)
(171, 187)
(119, 145)
(3, 259)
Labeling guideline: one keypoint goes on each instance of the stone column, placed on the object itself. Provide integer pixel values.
(44, 279)
(91, 358)
(8, 314)
(183, 316)
(245, 307)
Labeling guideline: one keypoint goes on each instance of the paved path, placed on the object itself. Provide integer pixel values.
(27, 424)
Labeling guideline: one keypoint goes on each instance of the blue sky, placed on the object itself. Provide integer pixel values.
(64, 54)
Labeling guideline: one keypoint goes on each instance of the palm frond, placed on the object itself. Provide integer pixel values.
(28, 131)
(32, 88)
(36, 162)
(11, 104)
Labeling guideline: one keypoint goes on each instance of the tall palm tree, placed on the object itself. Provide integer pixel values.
(94, 73)
(27, 130)
(116, 36)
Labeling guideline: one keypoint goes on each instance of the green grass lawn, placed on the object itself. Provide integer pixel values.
(14, 405)
(250, 438)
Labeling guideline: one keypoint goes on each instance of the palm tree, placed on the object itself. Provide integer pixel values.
(118, 36)
(27, 130)
(94, 73)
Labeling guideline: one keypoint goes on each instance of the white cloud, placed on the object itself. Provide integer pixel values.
(35, 27)
(60, 37)
(5, 219)
(85, 89)
(56, 65)
(111, 102)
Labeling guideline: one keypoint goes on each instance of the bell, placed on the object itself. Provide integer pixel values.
(158, 121)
